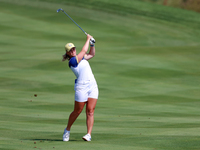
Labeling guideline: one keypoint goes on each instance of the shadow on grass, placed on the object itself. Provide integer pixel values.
(50, 140)
(76, 137)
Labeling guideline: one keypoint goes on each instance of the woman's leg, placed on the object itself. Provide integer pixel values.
(78, 107)
(90, 107)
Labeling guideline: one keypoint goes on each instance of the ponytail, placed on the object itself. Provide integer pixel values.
(65, 57)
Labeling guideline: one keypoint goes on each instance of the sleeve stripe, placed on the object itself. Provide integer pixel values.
(77, 59)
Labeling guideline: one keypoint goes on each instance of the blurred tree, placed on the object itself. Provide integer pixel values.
(190, 5)
(165, 2)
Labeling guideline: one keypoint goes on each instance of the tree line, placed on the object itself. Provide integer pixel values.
(185, 4)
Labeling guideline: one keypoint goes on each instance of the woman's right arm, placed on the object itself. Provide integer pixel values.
(84, 49)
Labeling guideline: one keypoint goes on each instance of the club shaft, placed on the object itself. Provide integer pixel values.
(74, 22)
(60, 9)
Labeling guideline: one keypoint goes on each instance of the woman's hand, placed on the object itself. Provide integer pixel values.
(89, 37)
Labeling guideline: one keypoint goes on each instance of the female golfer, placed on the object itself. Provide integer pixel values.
(86, 89)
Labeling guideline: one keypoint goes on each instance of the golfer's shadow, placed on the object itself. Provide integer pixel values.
(49, 140)
(43, 140)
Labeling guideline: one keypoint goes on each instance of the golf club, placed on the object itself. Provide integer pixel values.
(60, 9)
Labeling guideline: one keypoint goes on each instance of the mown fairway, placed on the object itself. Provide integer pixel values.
(147, 66)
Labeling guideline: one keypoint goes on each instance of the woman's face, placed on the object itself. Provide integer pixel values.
(72, 52)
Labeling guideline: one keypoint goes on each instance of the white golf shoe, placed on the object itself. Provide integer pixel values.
(66, 135)
(87, 137)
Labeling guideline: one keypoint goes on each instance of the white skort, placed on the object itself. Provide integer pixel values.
(85, 90)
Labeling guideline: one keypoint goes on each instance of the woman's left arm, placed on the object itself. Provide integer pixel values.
(91, 53)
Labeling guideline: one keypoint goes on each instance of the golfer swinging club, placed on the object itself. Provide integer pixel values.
(86, 89)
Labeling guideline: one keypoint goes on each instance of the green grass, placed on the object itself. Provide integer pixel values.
(147, 67)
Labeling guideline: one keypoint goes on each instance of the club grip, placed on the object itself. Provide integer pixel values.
(93, 40)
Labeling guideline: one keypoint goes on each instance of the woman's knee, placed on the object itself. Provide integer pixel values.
(90, 112)
(91, 106)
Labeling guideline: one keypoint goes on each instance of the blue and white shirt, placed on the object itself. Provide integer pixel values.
(82, 69)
